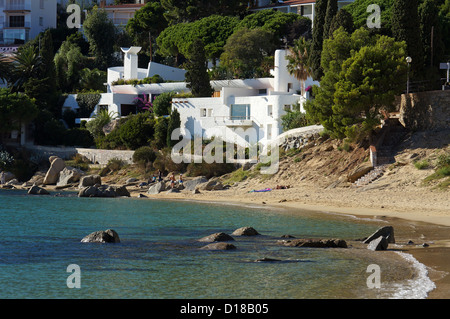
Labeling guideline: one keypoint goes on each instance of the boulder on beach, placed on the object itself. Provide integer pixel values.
(56, 166)
(192, 184)
(386, 231)
(36, 190)
(380, 243)
(245, 231)
(212, 184)
(37, 179)
(5, 177)
(156, 188)
(90, 180)
(102, 236)
(315, 243)
(69, 175)
(219, 246)
(216, 237)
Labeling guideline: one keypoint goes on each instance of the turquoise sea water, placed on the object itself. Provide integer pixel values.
(159, 255)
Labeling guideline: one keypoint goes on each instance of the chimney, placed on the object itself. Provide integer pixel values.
(130, 65)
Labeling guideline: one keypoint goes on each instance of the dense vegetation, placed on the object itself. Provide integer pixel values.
(356, 65)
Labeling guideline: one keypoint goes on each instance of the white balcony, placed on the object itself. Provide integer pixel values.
(233, 121)
(16, 25)
(17, 7)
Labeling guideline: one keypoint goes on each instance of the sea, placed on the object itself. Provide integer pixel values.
(159, 255)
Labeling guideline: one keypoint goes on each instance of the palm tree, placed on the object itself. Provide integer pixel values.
(26, 65)
(5, 68)
(298, 61)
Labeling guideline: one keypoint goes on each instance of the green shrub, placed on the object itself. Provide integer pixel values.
(144, 155)
(137, 131)
(209, 170)
(6, 159)
(443, 160)
(87, 103)
(78, 137)
(162, 103)
(114, 165)
(422, 164)
(133, 132)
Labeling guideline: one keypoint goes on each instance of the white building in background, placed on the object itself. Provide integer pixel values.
(302, 7)
(235, 106)
(23, 20)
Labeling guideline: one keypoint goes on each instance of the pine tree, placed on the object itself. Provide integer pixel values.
(430, 24)
(42, 86)
(197, 75)
(332, 9)
(317, 40)
(342, 19)
(174, 123)
(406, 27)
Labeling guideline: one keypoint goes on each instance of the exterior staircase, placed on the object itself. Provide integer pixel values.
(385, 153)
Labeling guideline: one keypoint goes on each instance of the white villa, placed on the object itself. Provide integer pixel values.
(23, 20)
(302, 7)
(235, 106)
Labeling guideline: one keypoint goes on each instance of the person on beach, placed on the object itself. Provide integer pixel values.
(152, 180)
(172, 181)
(159, 176)
(180, 182)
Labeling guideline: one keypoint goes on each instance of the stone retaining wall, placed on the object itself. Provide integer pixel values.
(425, 110)
(96, 156)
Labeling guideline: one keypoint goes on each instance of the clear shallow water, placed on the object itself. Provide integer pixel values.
(158, 256)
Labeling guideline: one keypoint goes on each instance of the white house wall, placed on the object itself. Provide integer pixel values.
(217, 121)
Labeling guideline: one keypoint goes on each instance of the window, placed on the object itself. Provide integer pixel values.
(269, 110)
(203, 112)
(240, 111)
(289, 87)
(287, 107)
(262, 91)
(210, 111)
(1, 3)
(41, 21)
(41, 4)
(17, 21)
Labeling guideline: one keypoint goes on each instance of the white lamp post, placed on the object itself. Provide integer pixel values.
(408, 60)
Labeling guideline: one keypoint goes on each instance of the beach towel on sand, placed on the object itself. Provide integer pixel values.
(261, 190)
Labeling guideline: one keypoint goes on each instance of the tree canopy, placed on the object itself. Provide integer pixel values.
(362, 75)
(246, 51)
(15, 108)
(99, 30)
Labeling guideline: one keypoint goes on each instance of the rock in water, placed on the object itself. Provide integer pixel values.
(216, 237)
(36, 190)
(380, 243)
(219, 246)
(56, 166)
(245, 231)
(386, 231)
(106, 236)
(90, 180)
(315, 243)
